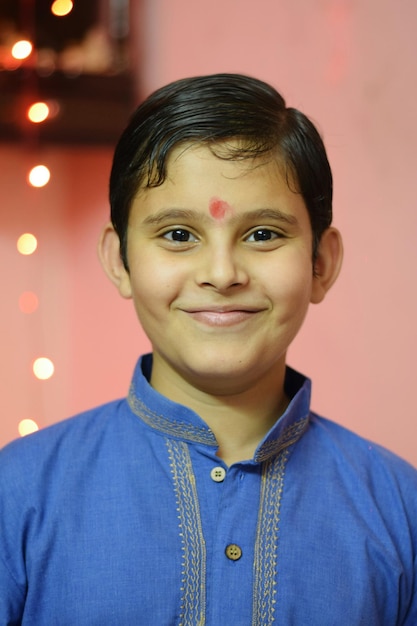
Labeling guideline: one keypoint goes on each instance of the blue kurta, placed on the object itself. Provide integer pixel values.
(125, 516)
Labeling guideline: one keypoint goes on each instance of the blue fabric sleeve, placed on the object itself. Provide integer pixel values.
(411, 617)
(12, 598)
(12, 570)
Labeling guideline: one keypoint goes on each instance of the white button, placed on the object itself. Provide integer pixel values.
(218, 474)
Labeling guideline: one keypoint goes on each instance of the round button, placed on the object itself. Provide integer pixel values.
(233, 552)
(218, 474)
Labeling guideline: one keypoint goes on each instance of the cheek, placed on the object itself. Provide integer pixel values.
(292, 288)
(155, 285)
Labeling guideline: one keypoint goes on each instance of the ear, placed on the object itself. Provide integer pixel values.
(111, 260)
(327, 264)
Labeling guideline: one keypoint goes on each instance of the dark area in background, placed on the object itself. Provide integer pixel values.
(92, 104)
(50, 31)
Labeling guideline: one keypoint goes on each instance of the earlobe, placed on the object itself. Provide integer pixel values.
(111, 261)
(328, 264)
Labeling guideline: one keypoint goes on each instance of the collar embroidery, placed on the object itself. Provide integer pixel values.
(203, 435)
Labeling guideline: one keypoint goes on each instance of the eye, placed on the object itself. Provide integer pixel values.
(181, 235)
(262, 234)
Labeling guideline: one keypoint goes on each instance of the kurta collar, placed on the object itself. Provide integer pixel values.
(175, 420)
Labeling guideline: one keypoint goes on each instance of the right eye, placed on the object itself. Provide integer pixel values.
(181, 235)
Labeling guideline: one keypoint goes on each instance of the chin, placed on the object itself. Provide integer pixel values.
(220, 376)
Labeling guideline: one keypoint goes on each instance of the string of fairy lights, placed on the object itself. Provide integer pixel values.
(38, 176)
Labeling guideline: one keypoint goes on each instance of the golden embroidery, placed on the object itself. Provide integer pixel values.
(288, 436)
(204, 435)
(193, 575)
(168, 426)
(266, 545)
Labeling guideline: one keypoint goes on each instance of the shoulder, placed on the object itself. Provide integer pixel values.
(338, 436)
(370, 491)
(366, 463)
(54, 446)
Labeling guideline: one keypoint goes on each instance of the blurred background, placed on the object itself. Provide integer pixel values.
(68, 342)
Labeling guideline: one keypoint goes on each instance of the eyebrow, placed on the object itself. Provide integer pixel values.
(171, 215)
(181, 215)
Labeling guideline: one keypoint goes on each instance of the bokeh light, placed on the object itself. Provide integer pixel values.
(39, 176)
(27, 244)
(43, 368)
(27, 426)
(22, 49)
(28, 302)
(61, 7)
(38, 112)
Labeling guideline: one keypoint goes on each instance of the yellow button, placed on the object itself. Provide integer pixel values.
(218, 474)
(233, 552)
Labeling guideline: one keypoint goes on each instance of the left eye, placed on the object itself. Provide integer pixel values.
(262, 234)
(180, 234)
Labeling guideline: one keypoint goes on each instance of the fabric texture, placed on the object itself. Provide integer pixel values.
(124, 515)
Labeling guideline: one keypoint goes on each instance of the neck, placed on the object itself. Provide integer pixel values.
(240, 426)
(239, 417)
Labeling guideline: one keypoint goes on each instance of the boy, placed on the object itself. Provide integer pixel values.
(211, 495)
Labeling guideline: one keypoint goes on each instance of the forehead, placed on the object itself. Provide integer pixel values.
(216, 180)
(223, 163)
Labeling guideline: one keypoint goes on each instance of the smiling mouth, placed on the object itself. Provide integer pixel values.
(222, 317)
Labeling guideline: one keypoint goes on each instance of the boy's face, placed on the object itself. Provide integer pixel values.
(220, 271)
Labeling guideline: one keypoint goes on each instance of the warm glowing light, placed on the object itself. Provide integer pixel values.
(39, 176)
(43, 368)
(27, 244)
(38, 112)
(26, 427)
(21, 49)
(61, 7)
(28, 302)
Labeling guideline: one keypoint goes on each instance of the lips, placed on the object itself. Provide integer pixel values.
(222, 316)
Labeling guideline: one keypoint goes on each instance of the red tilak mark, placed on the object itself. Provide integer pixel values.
(218, 208)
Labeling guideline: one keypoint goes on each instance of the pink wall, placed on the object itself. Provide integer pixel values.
(80, 324)
(351, 67)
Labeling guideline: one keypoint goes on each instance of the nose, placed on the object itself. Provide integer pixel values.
(221, 268)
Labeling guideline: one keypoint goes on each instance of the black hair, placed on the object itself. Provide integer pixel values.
(210, 110)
